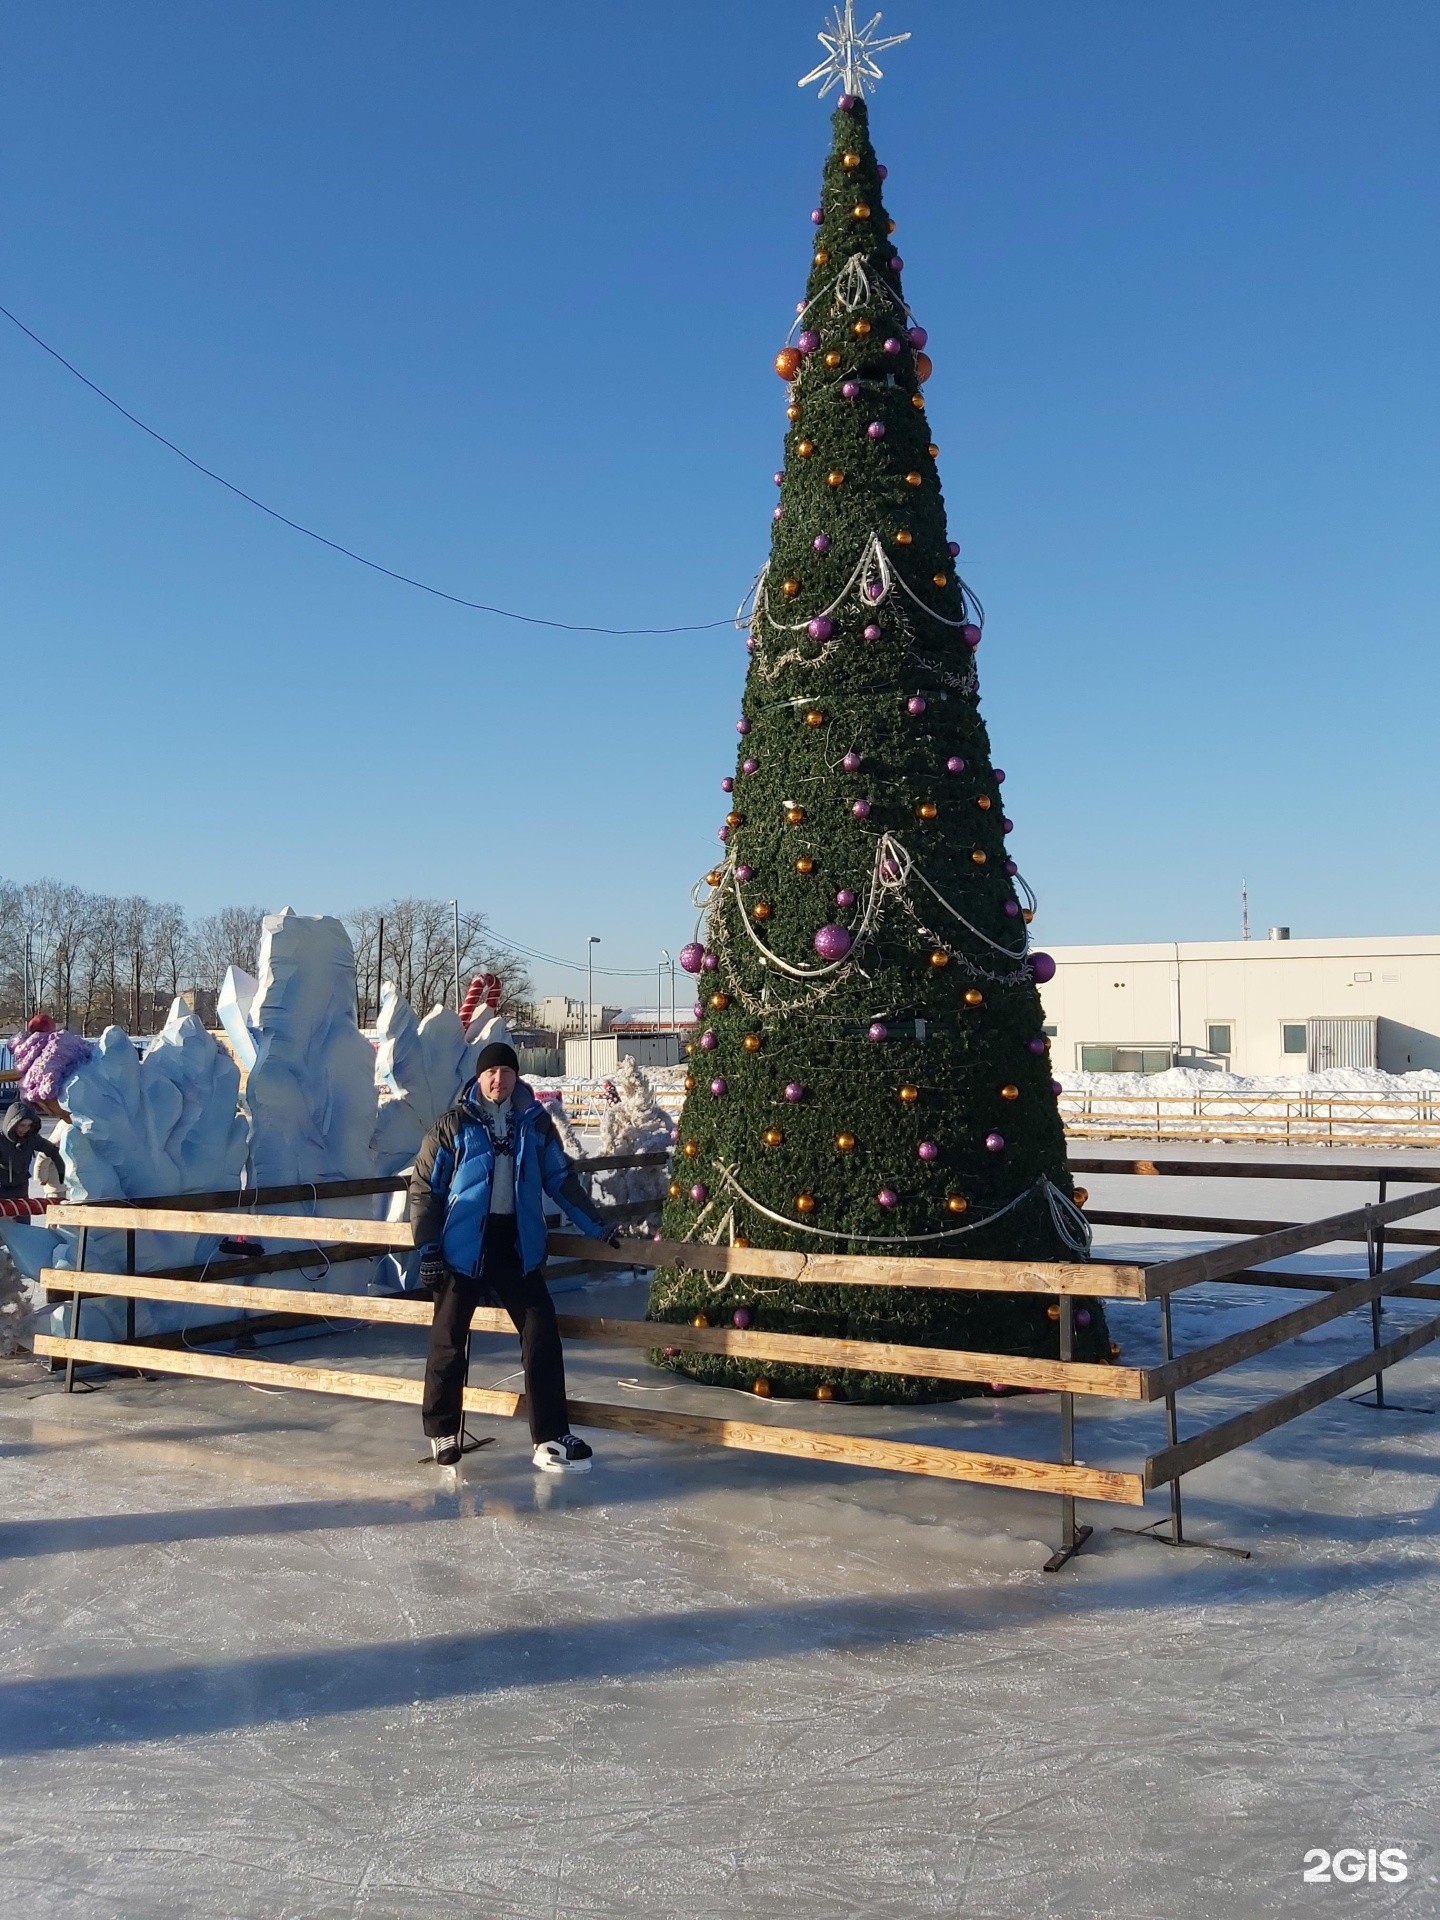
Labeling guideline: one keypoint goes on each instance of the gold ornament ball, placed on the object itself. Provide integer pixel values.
(1082, 1194)
(940, 579)
(788, 362)
(860, 329)
(805, 449)
(917, 400)
(690, 1149)
(860, 211)
(1052, 1313)
(790, 588)
(835, 478)
(792, 412)
(741, 1240)
(845, 1142)
(889, 226)
(956, 1203)
(974, 997)
(927, 810)
(924, 367)
(712, 879)
(675, 1189)
(752, 1043)
(903, 537)
(850, 161)
(772, 1136)
(909, 1095)
(978, 857)
(914, 479)
(804, 864)
(734, 819)
(827, 1391)
(1114, 1350)
(795, 815)
(805, 1203)
(933, 451)
(720, 1001)
(701, 1320)
(982, 800)
(762, 1387)
(1027, 916)
(1010, 1093)
(689, 1083)
(689, 1048)
(761, 910)
(814, 718)
(939, 958)
(832, 359)
(822, 258)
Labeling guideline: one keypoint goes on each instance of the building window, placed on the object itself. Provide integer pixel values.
(1292, 1036)
(1049, 1032)
(1097, 1059)
(1219, 1038)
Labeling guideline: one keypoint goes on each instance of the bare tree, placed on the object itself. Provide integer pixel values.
(418, 955)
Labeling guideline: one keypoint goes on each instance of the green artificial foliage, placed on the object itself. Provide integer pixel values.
(883, 1048)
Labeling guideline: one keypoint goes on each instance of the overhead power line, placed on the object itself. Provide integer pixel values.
(349, 553)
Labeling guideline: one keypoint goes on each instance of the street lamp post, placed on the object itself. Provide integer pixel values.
(660, 966)
(590, 946)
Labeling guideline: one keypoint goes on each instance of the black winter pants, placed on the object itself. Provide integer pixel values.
(526, 1299)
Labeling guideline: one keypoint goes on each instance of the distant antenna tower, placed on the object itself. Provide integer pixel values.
(1244, 912)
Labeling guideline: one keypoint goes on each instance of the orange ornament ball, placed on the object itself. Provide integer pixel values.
(761, 910)
(832, 359)
(701, 1320)
(903, 537)
(720, 1001)
(675, 1189)
(956, 1203)
(805, 449)
(933, 451)
(689, 1083)
(860, 211)
(690, 1149)
(845, 1142)
(1027, 915)
(822, 258)
(835, 478)
(909, 1095)
(814, 718)
(978, 857)
(792, 412)
(795, 815)
(712, 879)
(860, 329)
(1009, 1093)
(974, 997)
(804, 864)
(752, 1043)
(741, 1240)
(788, 362)
(827, 1390)
(924, 367)
(790, 588)
(939, 958)
(1052, 1313)
(917, 400)
(889, 226)
(927, 810)
(850, 161)
(772, 1137)
(734, 819)
(805, 1203)
(762, 1387)
(982, 800)
(914, 480)
(941, 579)
(1082, 1194)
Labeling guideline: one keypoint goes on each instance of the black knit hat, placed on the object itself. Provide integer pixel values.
(497, 1054)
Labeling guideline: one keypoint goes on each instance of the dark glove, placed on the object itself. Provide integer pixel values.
(432, 1272)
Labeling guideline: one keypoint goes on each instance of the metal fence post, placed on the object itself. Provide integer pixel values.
(1072, 1537)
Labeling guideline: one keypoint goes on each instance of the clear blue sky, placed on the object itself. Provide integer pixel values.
(492, 294)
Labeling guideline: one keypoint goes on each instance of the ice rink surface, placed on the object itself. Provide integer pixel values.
(259, 1661)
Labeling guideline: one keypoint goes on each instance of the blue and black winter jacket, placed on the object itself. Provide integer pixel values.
(450, 1186)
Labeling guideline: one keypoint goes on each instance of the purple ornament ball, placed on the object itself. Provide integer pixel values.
(1042, 968)
(1056, 1088)
(820, 628)
(777, 514)
(872, 632)
(954, 764)
(710, 962)
(887, 1197)
(821, 543)
(878, 1030)
(817, 216)
(874, 591)
(952, 547)
(750, 766)
(709, 1042)
(832, 942)
(807, 342)
(742, 726)
(850, 389)
(691, 956)
(723, 833)
(800, 306)
(699, 1192)
(883, 173)
(970, 634)
(928, 1150)
(851, 762)
(779, 479)
(897, 265)
(671, 1353)
(743, 873)
(917, 703)
(999, 776)
(727, 785)
(860, 809)
(846, 103)
(892, 345)
(741, 1317)
(876, 429)
(794, 1093)
(845, 898)
(1011, 908)
(1011, 868)
(697, 1010)
(995, 1142)
(1007, 825)
(917, 337)
(1037, 1045)
(719, 1086)
(1082, 1317)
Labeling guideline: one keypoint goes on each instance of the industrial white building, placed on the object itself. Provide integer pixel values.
(1275, 1006)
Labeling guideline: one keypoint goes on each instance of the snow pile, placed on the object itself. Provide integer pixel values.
(1189, 1080)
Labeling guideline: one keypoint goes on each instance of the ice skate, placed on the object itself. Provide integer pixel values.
(446, 1449)
(565, 1455)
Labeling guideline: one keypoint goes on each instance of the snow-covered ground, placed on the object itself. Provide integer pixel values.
(1190, 1080)
(258, 1661)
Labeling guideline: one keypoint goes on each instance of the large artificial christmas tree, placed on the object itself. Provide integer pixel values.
(870, 1073)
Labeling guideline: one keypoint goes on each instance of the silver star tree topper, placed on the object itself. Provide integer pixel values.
(850, 54)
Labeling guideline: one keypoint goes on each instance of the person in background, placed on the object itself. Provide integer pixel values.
(20, 1141)
(476, 1211)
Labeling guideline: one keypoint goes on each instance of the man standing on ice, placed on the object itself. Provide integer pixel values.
(476, 1211)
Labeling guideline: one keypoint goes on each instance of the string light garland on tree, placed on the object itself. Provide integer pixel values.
(858, 1095)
